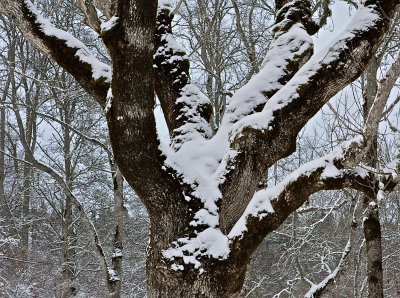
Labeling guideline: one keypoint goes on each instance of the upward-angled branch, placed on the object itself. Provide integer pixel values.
(270, 207)
(187, 111)
(290, 48)
(71, 54)
(90, 12)
(385, 86)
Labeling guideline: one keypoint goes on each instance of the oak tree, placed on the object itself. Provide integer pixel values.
(202, 191)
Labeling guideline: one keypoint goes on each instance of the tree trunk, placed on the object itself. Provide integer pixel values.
(25, 216)
(114, 286)
(372, 226)
(3, 202)
(69, 235)
(222, 278)
(373, 241)
(68, 252)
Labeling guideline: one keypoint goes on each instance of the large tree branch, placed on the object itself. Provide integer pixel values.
(130, 112)
(187, 111)
(71, 54)
(270, 207)
(290, 48)
(263, 138)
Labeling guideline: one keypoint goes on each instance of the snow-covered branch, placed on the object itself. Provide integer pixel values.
(316, 289)
(290, 48)
(70, 53)
(187, 110)
(271, 206)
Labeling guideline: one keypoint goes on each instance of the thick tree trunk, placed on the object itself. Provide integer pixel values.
(177, 285)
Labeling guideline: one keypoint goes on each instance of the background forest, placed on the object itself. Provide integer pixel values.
(53, 137)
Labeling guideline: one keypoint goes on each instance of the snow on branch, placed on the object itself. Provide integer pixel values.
(210, 242)
(316, 289)
(318, 170)
(271, 206)
(334, 58)
(203, 163)
(217, 169)
(290, 48)
(70, 53)
(186, 108)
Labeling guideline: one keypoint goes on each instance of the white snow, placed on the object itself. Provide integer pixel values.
(203, 162)
(283, 49)
(364, 18)
(105, 26)
(99, 69)
(117, 253)
(196, 127)
(112, 274)
(210, 242)
(109, 101)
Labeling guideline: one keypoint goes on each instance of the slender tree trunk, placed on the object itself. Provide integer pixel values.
(371, 224)
(69, 235)
(68, 252)
(25, 215)
(114, 286)
(3, 202)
